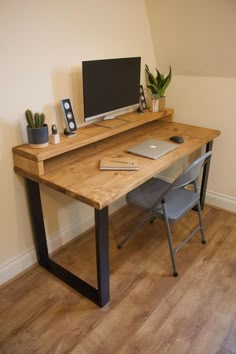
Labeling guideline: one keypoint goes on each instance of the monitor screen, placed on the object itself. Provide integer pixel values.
(110, 86)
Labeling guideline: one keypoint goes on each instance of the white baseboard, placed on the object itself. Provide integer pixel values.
(215, 199)
(221, 201)
(24, 261)
(19, 264)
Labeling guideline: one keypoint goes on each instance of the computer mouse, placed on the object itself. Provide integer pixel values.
(177, 139)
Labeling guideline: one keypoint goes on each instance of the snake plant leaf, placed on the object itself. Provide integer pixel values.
(152, 79)
(165, 82)
(150, 76)
(153, 89)
(159, 77)
(153, 84)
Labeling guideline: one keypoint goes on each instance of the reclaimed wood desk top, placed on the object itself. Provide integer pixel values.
(76, 173)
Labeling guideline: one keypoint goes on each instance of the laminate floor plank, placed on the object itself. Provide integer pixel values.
(150, 311)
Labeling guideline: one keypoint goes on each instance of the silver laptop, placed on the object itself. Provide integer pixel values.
(152, 148)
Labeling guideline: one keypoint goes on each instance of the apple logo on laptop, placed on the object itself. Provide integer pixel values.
(153, 146)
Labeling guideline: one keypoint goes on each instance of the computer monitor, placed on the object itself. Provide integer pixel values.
(110, 87)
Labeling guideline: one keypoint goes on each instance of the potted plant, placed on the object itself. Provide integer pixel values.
(158, 85)
(37, 130)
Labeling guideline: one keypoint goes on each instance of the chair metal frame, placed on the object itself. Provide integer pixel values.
(160, 207)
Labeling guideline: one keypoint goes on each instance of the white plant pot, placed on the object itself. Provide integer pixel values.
(155, 105)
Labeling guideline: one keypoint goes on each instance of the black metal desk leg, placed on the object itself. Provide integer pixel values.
(100, 295)
(35, 207)
(205, 174)
(102, 253)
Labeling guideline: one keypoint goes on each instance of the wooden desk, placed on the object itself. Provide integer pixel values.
(72, 168)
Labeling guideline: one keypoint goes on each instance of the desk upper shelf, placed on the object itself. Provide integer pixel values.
(73, 169)
(32, 160)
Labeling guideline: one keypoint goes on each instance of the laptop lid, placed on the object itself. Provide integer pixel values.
(152, 148)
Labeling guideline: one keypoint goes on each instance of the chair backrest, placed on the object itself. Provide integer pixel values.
(192, 172)
(189, 175)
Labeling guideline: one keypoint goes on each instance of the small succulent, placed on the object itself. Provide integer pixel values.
(36, 120)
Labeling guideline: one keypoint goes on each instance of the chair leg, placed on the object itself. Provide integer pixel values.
(152, 220)
(133, 230)
(170, 242)
(201, 222)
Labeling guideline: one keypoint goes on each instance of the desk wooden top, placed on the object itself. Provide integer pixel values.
(77, 173)
(90, 134)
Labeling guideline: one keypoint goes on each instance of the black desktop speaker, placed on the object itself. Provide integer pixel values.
(142, 99)
(68, 115)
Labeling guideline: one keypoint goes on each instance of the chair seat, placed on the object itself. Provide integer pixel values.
(178, 201)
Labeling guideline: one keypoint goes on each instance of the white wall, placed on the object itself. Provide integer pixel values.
(42, 46)
(204, 105)
(198, 40)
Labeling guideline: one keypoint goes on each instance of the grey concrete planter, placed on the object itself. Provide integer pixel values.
(38, 137)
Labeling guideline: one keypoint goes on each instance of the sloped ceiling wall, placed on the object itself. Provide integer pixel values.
(198, 38)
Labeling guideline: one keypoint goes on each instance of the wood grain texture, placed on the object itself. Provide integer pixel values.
(72, 167)
(150, 311)
(90, 134)
(77, 174)
(31, 166)
(80, 178)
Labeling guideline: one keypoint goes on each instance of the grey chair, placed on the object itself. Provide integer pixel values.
(170, 202)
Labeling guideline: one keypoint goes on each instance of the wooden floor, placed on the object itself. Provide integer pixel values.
(150, 311)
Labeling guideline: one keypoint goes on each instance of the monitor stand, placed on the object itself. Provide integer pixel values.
(111, 123)
(108, 117)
